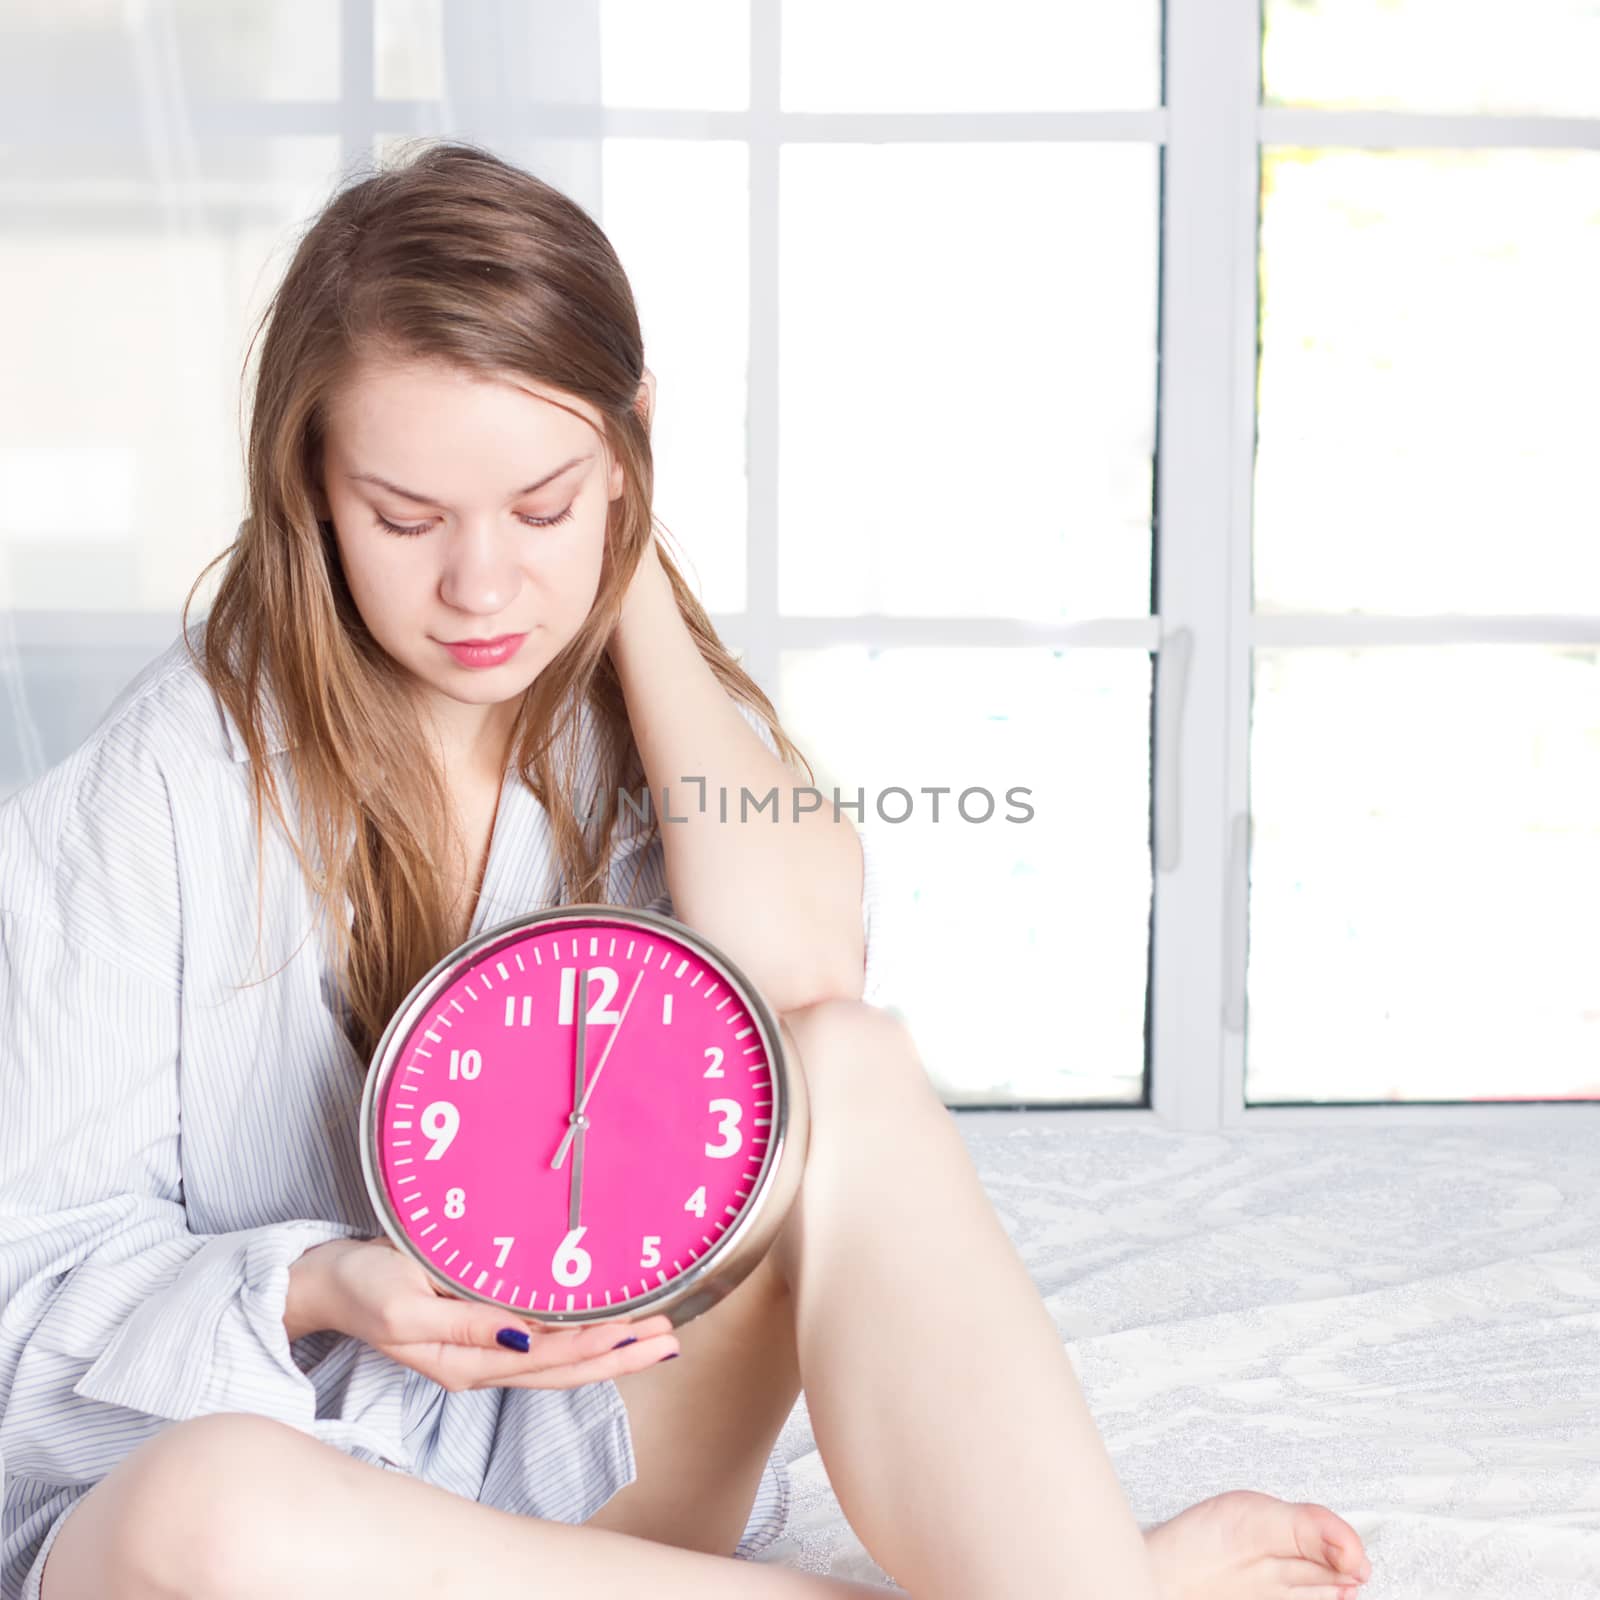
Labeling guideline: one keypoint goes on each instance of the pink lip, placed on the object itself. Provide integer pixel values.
(494, 653)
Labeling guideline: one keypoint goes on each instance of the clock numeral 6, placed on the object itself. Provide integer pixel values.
(571, 1264)
(455, 1202)
(598, 1011)
(730, 1111)
(440, 1121)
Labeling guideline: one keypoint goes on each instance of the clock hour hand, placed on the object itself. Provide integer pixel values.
(578, 1121)
(600, 1066)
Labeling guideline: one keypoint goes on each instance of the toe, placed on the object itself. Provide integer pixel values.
(1303, 1580)
(1323, 1535)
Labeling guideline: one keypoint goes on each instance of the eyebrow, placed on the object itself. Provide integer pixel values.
(433, 500)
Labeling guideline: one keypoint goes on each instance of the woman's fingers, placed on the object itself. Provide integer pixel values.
(463, 1322)
(556, 1357)
(608, 1364)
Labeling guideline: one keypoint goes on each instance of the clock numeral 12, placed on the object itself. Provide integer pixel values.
(598, 1012)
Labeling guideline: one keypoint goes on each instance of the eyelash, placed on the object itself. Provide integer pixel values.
(421, 528)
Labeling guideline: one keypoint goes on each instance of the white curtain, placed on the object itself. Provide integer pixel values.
(162, 158)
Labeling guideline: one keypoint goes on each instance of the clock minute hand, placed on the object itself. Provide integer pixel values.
(577, 1121)
(600, 1066)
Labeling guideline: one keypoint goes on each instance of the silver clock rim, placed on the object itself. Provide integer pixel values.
(686, 1284)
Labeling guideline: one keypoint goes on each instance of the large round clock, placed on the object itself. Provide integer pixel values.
(584, 1113)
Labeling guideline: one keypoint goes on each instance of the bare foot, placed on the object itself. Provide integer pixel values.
(1248, 1546)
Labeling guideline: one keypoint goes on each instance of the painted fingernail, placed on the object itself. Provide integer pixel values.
(673, 1357)
(625, 1341)
(513, 1339)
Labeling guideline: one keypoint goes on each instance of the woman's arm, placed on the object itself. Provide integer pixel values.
(307, 1306)
(782, 895)
(117, 1318)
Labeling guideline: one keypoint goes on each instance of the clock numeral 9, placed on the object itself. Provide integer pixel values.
(440, 1121)
(730, 1112)
(455, 1202)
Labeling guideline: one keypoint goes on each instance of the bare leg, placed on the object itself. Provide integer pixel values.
(949, 1418)
(952, 1427)
(237, 1507)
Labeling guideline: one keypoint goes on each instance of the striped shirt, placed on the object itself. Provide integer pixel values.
(143, 1281)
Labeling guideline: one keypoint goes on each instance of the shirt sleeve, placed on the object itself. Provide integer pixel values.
(649, 889)
(115, 1318)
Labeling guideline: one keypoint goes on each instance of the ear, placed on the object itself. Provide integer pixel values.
(645, 404)
(645, 401)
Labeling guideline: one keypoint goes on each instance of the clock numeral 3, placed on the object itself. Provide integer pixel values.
(730, 1111)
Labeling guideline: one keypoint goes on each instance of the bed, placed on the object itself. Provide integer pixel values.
(1400, 1323)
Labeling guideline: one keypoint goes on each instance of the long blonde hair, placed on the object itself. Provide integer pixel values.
(454, 256)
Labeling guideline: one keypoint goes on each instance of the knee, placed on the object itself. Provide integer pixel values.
(853, 1051)
(195, 1515)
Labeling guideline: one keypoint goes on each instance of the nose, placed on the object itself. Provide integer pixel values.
(480, 576)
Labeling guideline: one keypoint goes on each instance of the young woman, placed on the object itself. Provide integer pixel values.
(217, 1377)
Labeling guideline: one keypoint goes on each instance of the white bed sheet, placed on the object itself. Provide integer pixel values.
(1402, 1324)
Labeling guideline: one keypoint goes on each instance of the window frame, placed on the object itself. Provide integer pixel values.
(1202, 630)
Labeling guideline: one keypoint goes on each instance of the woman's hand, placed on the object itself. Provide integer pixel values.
(382, 1297)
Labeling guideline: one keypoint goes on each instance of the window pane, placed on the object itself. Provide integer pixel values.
(1016, 949)
(156, 431)
(1425, 866)
(690, 55)
(935, 55)
(1430, 334)
(1434, 55)
(101, 50)
(408, 47)
(694, 309)
(968, 411)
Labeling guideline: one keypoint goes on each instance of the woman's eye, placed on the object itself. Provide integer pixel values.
(422, 527)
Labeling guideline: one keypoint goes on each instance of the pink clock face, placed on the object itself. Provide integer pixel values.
(471, 1122)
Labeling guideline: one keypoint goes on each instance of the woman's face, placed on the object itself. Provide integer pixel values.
(473, 466)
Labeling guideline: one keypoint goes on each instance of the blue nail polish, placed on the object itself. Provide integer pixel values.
(625, 1341)
(673, 1357)
(513, 1339)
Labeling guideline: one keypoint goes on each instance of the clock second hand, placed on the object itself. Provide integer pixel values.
(578, 1120)
(600, 1066)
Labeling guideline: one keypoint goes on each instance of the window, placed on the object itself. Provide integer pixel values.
(1149, 451)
